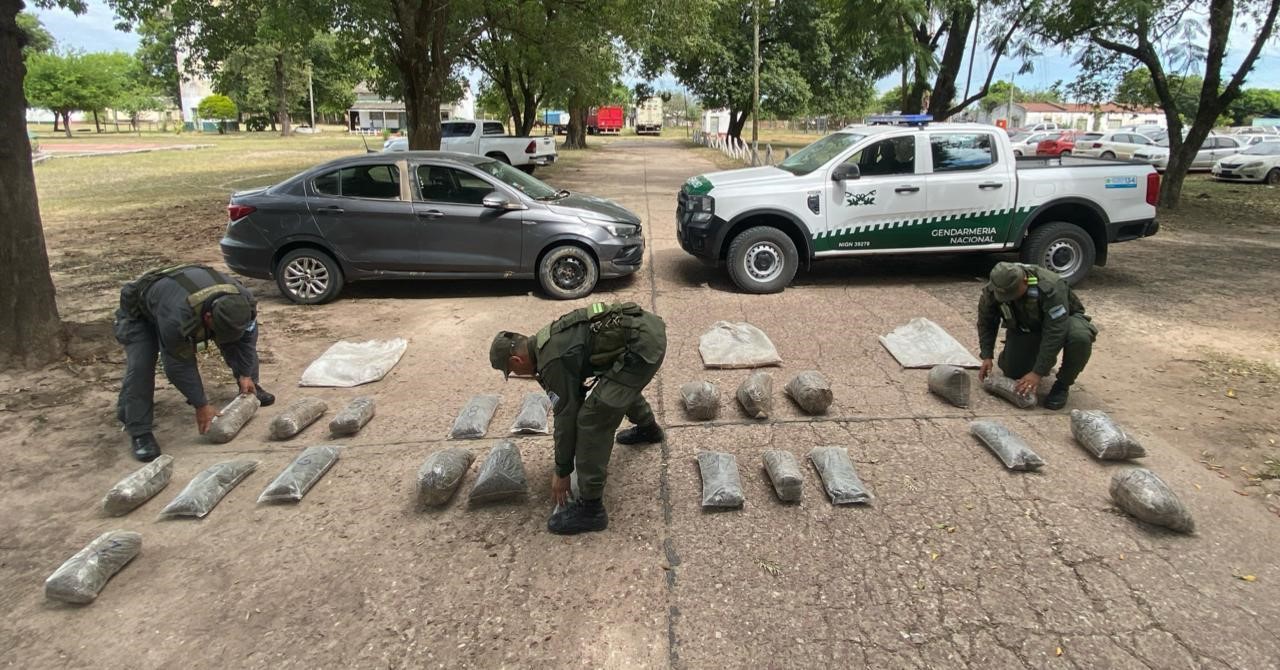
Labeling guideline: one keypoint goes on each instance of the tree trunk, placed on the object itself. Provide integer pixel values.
(576, 135)
(97, 124)
(30, 332)
(282, 105)
(66, 123)
(944, 87)
(56, 118)
(737, 121)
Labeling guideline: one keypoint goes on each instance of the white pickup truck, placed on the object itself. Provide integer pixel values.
(908, 186)
(488, 138)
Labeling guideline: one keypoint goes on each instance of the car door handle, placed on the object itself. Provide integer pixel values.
(332, 209)
(430, 214)
(907, 189)
(990, 185)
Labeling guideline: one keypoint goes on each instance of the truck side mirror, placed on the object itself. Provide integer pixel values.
(846, 171)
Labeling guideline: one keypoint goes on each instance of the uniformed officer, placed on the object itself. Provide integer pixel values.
(593, 363)
(168, 312)
(1042, 318)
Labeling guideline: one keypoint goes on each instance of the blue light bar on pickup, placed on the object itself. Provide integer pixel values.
(900, 119)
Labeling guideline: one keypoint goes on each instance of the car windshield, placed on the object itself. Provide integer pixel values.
(819, 153)
(518, 180)
(1263, 149)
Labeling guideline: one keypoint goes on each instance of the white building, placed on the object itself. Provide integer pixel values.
(1107, 116)
(372, 113)
(715, 122)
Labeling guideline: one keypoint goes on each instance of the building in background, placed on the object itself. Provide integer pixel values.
(373, 113)
(1107, 116)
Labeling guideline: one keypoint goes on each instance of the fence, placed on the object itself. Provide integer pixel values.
(739, 150)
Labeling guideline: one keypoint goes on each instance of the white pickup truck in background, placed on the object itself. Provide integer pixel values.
(488, 138)
(907, 186)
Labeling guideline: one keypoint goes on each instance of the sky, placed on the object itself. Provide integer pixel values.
(95, 31)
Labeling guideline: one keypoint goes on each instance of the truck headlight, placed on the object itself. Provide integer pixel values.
(702, 207)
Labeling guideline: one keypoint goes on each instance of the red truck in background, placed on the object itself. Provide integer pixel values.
(604, 120)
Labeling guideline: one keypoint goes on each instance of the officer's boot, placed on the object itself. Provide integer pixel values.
(579, 516)
(264, 398)
(649, 433)
(1057, 398)
(145, 447)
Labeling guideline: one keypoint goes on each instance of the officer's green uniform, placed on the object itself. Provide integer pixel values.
(160, 314)
(621, 347)
(1047, 320)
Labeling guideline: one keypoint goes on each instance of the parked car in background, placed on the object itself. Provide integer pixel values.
(426, 215)
(1025, 145)
(1215, 148)
(1042, 127)
(1111, 145)
(488, 138)
(1063, 144)
(1260, 162)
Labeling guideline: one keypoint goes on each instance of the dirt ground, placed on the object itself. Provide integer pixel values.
(957, 563)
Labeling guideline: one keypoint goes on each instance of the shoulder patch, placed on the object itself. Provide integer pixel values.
(1033, 291)
(1057, 311)
(540, 340)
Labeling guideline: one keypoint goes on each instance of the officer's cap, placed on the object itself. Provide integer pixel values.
(232, 315)
(1006, 280)
(504, 344)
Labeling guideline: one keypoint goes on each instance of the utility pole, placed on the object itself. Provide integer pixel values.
(1009, 114)
(755, 100)
(311, 96)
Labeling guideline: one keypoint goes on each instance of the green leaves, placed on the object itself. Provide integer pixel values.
(217, 108)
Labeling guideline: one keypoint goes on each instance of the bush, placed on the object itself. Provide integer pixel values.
(217, 108)
(257, 124)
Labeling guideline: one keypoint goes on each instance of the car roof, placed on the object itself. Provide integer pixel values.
(884, 129)
(444, 156)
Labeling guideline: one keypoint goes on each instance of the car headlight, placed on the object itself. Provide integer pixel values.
(617, 229)
(702, 207)
(1250, 166)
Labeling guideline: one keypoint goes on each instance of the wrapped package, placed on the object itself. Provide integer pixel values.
(1006, 388)
(1095, 431)
(532, 418)
(296, 417)
(784, 473)
(473, 421)
(207, 489)
(737, 345)
(811, 391)
(951, 382)
(81, 578)
(227, 424)
(501, 475)
(701, 400)
(441, 474)
(721, 485)
(353, 417)
(129, 493)
(303, 473)
(838, 476)
(1007, 445)
(756, 395)
(1143, 494)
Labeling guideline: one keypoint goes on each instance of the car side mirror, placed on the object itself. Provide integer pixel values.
(496, 200)
(846, 171)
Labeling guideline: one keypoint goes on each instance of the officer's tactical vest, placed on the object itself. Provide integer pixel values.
(132, 298)
(613, 332)
(1034, 291)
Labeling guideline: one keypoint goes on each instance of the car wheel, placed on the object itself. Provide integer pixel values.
(1109, 155)
(762, 260)
(1273, 177)
(1065, 153)
(497, 155)
(1063, 248)
(309, 276)
(527, 168)
(568, 273)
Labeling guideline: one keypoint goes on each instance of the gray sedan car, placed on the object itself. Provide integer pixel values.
(426, 215)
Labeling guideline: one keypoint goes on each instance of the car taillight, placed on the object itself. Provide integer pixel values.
(1153, 188)
(1097, 145)
(237, 212)
(532, 148)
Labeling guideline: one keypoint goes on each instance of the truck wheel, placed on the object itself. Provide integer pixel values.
(762, 260)
(568, 273)
(497, 155)
(1061, 247)
(308, 276)
(1273, 177)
